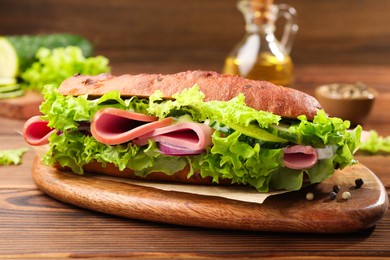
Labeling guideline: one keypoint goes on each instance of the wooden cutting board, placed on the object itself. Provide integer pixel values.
(22, 107)
(288, 212)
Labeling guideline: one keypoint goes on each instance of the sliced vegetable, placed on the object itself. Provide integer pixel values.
(256, 132)
(283, 131)
(12, 94)
(7, 81)
(8, 88)
(9, 65)
(174, 150)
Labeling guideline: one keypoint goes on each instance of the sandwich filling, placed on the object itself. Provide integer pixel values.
(218, 139)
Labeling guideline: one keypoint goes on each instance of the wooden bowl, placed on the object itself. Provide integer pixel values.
(351, 102)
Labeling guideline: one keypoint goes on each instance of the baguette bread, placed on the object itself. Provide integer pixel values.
(260, 95)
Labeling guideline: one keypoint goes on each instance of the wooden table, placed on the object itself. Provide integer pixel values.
(33, 225)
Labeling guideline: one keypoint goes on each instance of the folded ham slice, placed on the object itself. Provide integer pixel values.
(180, 138)
(113, 126)
(300, 157)
(36, 132)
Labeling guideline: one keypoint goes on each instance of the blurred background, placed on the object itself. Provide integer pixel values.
(198, 34)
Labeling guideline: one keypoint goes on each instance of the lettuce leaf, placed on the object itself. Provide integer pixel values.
(74, 150)
(375, 143)
(326, 130)
(191, 101)
(232, 159)
(12, 156)
(66, 112)
(287, 179)
(56, 65)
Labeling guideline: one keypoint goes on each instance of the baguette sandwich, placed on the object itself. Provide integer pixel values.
(193, 127)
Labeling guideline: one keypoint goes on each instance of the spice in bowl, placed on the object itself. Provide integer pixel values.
(358, 91)
(351, 102)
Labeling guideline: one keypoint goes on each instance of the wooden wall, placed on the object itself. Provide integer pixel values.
(201, 32)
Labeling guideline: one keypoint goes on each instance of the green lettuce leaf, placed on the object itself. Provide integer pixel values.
(287, 179)
(229, 158)
(190, 101)
(67, 112)
(56, 65)
(326, 130)
(375, 143)
(12, 156)
(74, 150)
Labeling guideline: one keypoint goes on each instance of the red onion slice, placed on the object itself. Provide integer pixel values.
(179, 151)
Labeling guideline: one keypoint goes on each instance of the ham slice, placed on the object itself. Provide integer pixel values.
(180, 138)
(113, 126)
(300, 157)
(36, 132)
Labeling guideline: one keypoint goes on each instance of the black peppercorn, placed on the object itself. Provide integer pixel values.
(358, 183)
(336, 188)
(332, 195)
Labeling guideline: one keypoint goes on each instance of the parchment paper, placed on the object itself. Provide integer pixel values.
(240, 193)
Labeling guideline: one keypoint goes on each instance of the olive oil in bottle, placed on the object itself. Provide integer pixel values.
(267, 67)
(259, 55)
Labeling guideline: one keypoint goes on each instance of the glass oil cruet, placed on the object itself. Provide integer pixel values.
(260, 55)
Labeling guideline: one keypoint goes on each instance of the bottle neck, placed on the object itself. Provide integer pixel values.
(260, 28)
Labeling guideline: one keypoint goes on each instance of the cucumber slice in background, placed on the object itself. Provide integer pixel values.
(8, 88)
(7, 81)
(12, 94)
(9, 64)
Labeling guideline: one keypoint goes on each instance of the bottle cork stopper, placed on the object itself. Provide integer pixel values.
(260, 9)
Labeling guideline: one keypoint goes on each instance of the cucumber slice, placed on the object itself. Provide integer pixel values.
(12, 94)
(7, 81)
(8, 88)
(283, 132)
(9, 63)
(257, 133)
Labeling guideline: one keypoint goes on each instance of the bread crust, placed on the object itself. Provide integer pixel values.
(260, 95)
